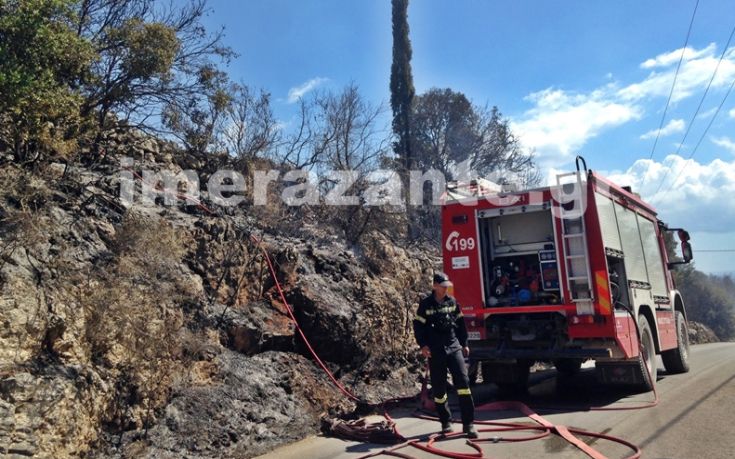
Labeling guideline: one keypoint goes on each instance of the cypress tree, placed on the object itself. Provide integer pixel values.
(401, 83)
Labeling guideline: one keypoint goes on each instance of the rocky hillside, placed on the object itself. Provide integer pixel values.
(701, 334)
(158, 331)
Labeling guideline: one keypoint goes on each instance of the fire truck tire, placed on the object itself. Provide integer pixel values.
(647, 355)
(568, 367)
(677, 360)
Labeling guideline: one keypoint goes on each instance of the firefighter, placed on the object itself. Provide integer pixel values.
(442, 336)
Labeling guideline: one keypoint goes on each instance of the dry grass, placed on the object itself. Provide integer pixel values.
(132, 318)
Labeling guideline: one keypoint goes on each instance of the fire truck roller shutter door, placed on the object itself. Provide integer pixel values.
(608, 222)
(635, 262)
(652, 253)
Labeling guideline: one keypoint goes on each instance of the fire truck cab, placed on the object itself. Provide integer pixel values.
(565, 274)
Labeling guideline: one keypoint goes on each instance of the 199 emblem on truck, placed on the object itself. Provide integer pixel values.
(454, 242)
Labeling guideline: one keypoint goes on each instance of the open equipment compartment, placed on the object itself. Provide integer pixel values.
(519, 261)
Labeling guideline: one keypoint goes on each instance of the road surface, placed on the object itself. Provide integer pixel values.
(694, 419)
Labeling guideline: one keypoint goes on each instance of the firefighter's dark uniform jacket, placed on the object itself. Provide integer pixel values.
(440, 326)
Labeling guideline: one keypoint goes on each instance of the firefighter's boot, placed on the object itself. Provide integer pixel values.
(442, 410)
(470, 431)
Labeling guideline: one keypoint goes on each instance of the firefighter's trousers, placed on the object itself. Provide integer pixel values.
(438, 365)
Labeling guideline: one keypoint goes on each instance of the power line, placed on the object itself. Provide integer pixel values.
(706, 90)
(696, 147)
(714, 250)
(676, 75)
(699, 107)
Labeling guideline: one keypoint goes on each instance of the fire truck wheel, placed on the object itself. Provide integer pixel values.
(677, 360)
(568, 367)
(647, 356)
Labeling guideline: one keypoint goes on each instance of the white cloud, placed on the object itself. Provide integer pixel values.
(696, 71)
(693, 195)
(707, 113)
(671, 127)
(699, 202)
(297, 92)
(560, 123)
(725, 143)
(672, 57)
(686, 193)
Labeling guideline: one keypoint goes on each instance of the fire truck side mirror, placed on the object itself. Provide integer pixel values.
(686, 247)
(686, 251)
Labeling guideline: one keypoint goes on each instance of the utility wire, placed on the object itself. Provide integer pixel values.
(696, 147)
(715, 250)
(699, 107)
(706, 90)
(676, 75)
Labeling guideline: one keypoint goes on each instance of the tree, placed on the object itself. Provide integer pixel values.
(149, 57)
(251, 127)
(351, 123)
(401, 84)
(707, 298)
(448, 129)
(41, 60)
(355, 146)
(445, 128)
(337, 131)
(707, 302)
(66, 63)
(339, 139)
(199, 120)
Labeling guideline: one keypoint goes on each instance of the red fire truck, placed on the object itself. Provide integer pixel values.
(566, 273)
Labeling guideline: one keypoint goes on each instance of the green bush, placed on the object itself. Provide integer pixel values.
(41, 62)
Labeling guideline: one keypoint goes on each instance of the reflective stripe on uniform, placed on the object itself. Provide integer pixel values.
(441, 399)
(420, 319)
(464, 391)
(440, 310)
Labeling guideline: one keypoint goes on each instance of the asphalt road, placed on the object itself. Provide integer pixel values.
(694, 419)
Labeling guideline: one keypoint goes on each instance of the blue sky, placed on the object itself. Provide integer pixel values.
(572, 76)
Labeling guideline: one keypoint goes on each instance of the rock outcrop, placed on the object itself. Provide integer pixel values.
(159, 332)
(699, 333)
